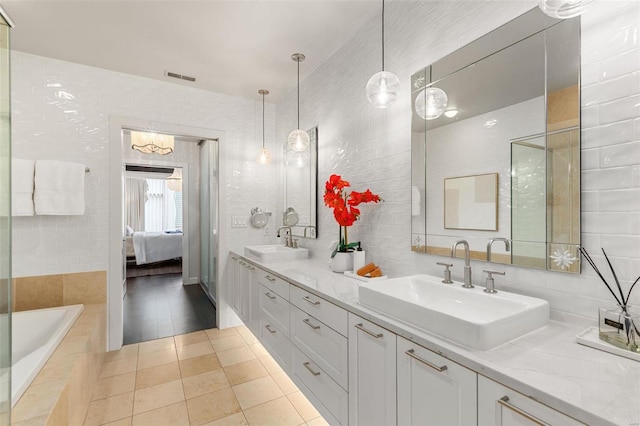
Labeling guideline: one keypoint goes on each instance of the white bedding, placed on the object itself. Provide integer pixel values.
(156, 246)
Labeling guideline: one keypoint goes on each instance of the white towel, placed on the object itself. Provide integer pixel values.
(415, 201)
(59, 188)
(22, 187)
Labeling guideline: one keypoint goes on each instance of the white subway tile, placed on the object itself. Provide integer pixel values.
(614, 178)
(624, 154)
(620, 200)
(621, 109)
(607, 135)
(608, 90)
(624, 63)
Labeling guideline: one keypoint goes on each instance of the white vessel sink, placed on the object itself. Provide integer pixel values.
(470, 317)
(275, 253)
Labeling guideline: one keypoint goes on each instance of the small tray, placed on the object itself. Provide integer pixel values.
(352, 274)
(589, 337)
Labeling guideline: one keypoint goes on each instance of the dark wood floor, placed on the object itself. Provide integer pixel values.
(160, 306)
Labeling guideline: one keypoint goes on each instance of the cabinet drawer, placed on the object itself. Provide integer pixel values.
(330, 314)
(274, 340)
(325, 346)
(273, 283)
(276, 307)
(500, 405)
(333, 398)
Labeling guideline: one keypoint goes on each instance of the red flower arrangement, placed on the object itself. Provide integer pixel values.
(344, 207)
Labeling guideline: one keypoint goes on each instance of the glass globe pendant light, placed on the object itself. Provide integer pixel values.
(383, 87)
(265, 155)
(563, 9)
(298, 139)
(431, 103)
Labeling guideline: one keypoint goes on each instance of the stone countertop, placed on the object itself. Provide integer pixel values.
(547, 364)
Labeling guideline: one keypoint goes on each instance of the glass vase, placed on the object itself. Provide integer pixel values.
(620, 326)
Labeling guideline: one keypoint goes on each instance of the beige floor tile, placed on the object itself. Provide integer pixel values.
(127, 351)
(242, 329)
(234, 356)
(212, 406)
(153, 359)
(37, 400)
(200, 364)
(204, 383)
(285, 383)
(259, 350)
(232, 420)
(156, 345)
(115, 385)
(229, 342)
(318, 421)
(190, 338)
(174, 415)
(121, 422)
(304, 407)
(117, 367)
(153, 397)
(249, 338)
(245, 371)
(256, 392)
(279, 412)
(109, 409)
(216, 333)
(194, 350)
(270, 364)
(157, 375)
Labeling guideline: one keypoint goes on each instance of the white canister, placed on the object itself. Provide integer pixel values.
(342, 261)
(358, 259)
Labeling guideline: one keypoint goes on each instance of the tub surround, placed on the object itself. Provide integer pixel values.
(546, 365)
(61, 392)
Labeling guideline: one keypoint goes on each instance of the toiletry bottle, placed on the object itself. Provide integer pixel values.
(358, 258)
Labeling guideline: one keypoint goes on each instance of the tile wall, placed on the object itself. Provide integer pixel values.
(371, 148)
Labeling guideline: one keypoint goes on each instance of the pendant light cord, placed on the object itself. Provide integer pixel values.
(263, 120)
(298, 60)
(382, 35)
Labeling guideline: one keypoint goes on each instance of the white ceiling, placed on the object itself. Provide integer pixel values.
(232, 47)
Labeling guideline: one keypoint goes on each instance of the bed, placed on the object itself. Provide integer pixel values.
(150, 247)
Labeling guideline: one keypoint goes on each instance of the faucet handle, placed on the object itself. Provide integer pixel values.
(447, 272)
(489, 288)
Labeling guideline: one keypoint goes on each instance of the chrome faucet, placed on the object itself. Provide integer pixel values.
(288, 238)
(467, 262)
(313, 230)
(507, 246)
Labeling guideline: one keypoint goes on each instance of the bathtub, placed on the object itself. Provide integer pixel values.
(35, 335)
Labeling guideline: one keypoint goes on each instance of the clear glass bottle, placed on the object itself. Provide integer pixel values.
(620, 326)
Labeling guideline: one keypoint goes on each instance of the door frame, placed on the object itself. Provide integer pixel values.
(116, 217)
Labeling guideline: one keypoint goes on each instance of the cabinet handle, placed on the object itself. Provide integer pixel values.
(234, 258)
(504, 401)
(308, 322)
(268, 327)
(370, 333)
(313, 302)
(412, 354)
(270, 278)
(270, 296)
(308, 367)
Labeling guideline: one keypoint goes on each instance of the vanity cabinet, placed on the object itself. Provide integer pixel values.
(433, 390)
(372, 373)
(498, 405)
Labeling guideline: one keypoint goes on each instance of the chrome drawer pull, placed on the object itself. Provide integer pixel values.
(268, 327)
(412, 354)
(308, 367)
(308, 322)
(313, 302)
(370, 333)
(504, 401)
(270, 278)
(270, 296)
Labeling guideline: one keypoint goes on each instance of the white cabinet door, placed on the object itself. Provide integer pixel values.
(372, 374)
(253, 315)
(499, 405)
(433, 390)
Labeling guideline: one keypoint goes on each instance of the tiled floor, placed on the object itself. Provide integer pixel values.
(209, 377)
(160, 306)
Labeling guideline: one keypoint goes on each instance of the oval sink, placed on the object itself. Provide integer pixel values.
(470, 317)
(275, 253)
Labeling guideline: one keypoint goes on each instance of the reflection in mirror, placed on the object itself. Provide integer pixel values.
(470, 202)
(300, 180)
(513, 111)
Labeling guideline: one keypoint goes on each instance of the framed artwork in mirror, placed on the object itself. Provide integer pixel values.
(471, 202)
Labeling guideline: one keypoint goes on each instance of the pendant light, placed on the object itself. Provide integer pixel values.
(147, 142)
(383, 87)
(431, 103)
(174, 182)
(265, 155)
(563, 9)
(298, 139)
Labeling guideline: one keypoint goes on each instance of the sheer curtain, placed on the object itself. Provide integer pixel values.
(160, 208)
(135, 199)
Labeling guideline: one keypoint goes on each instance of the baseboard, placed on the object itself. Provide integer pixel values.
(192, 280)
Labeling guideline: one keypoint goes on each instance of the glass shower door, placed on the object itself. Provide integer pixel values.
(209, 216)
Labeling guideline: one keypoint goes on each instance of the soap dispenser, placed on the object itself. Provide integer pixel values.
(358, 258)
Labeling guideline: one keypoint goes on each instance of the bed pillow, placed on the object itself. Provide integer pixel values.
(129, 231)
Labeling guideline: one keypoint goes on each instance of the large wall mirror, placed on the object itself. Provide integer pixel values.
(513, 113)
(300, 170)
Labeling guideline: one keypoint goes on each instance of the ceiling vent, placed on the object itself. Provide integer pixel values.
(180, 76)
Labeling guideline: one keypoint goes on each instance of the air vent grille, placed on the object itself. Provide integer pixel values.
(180, 76)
